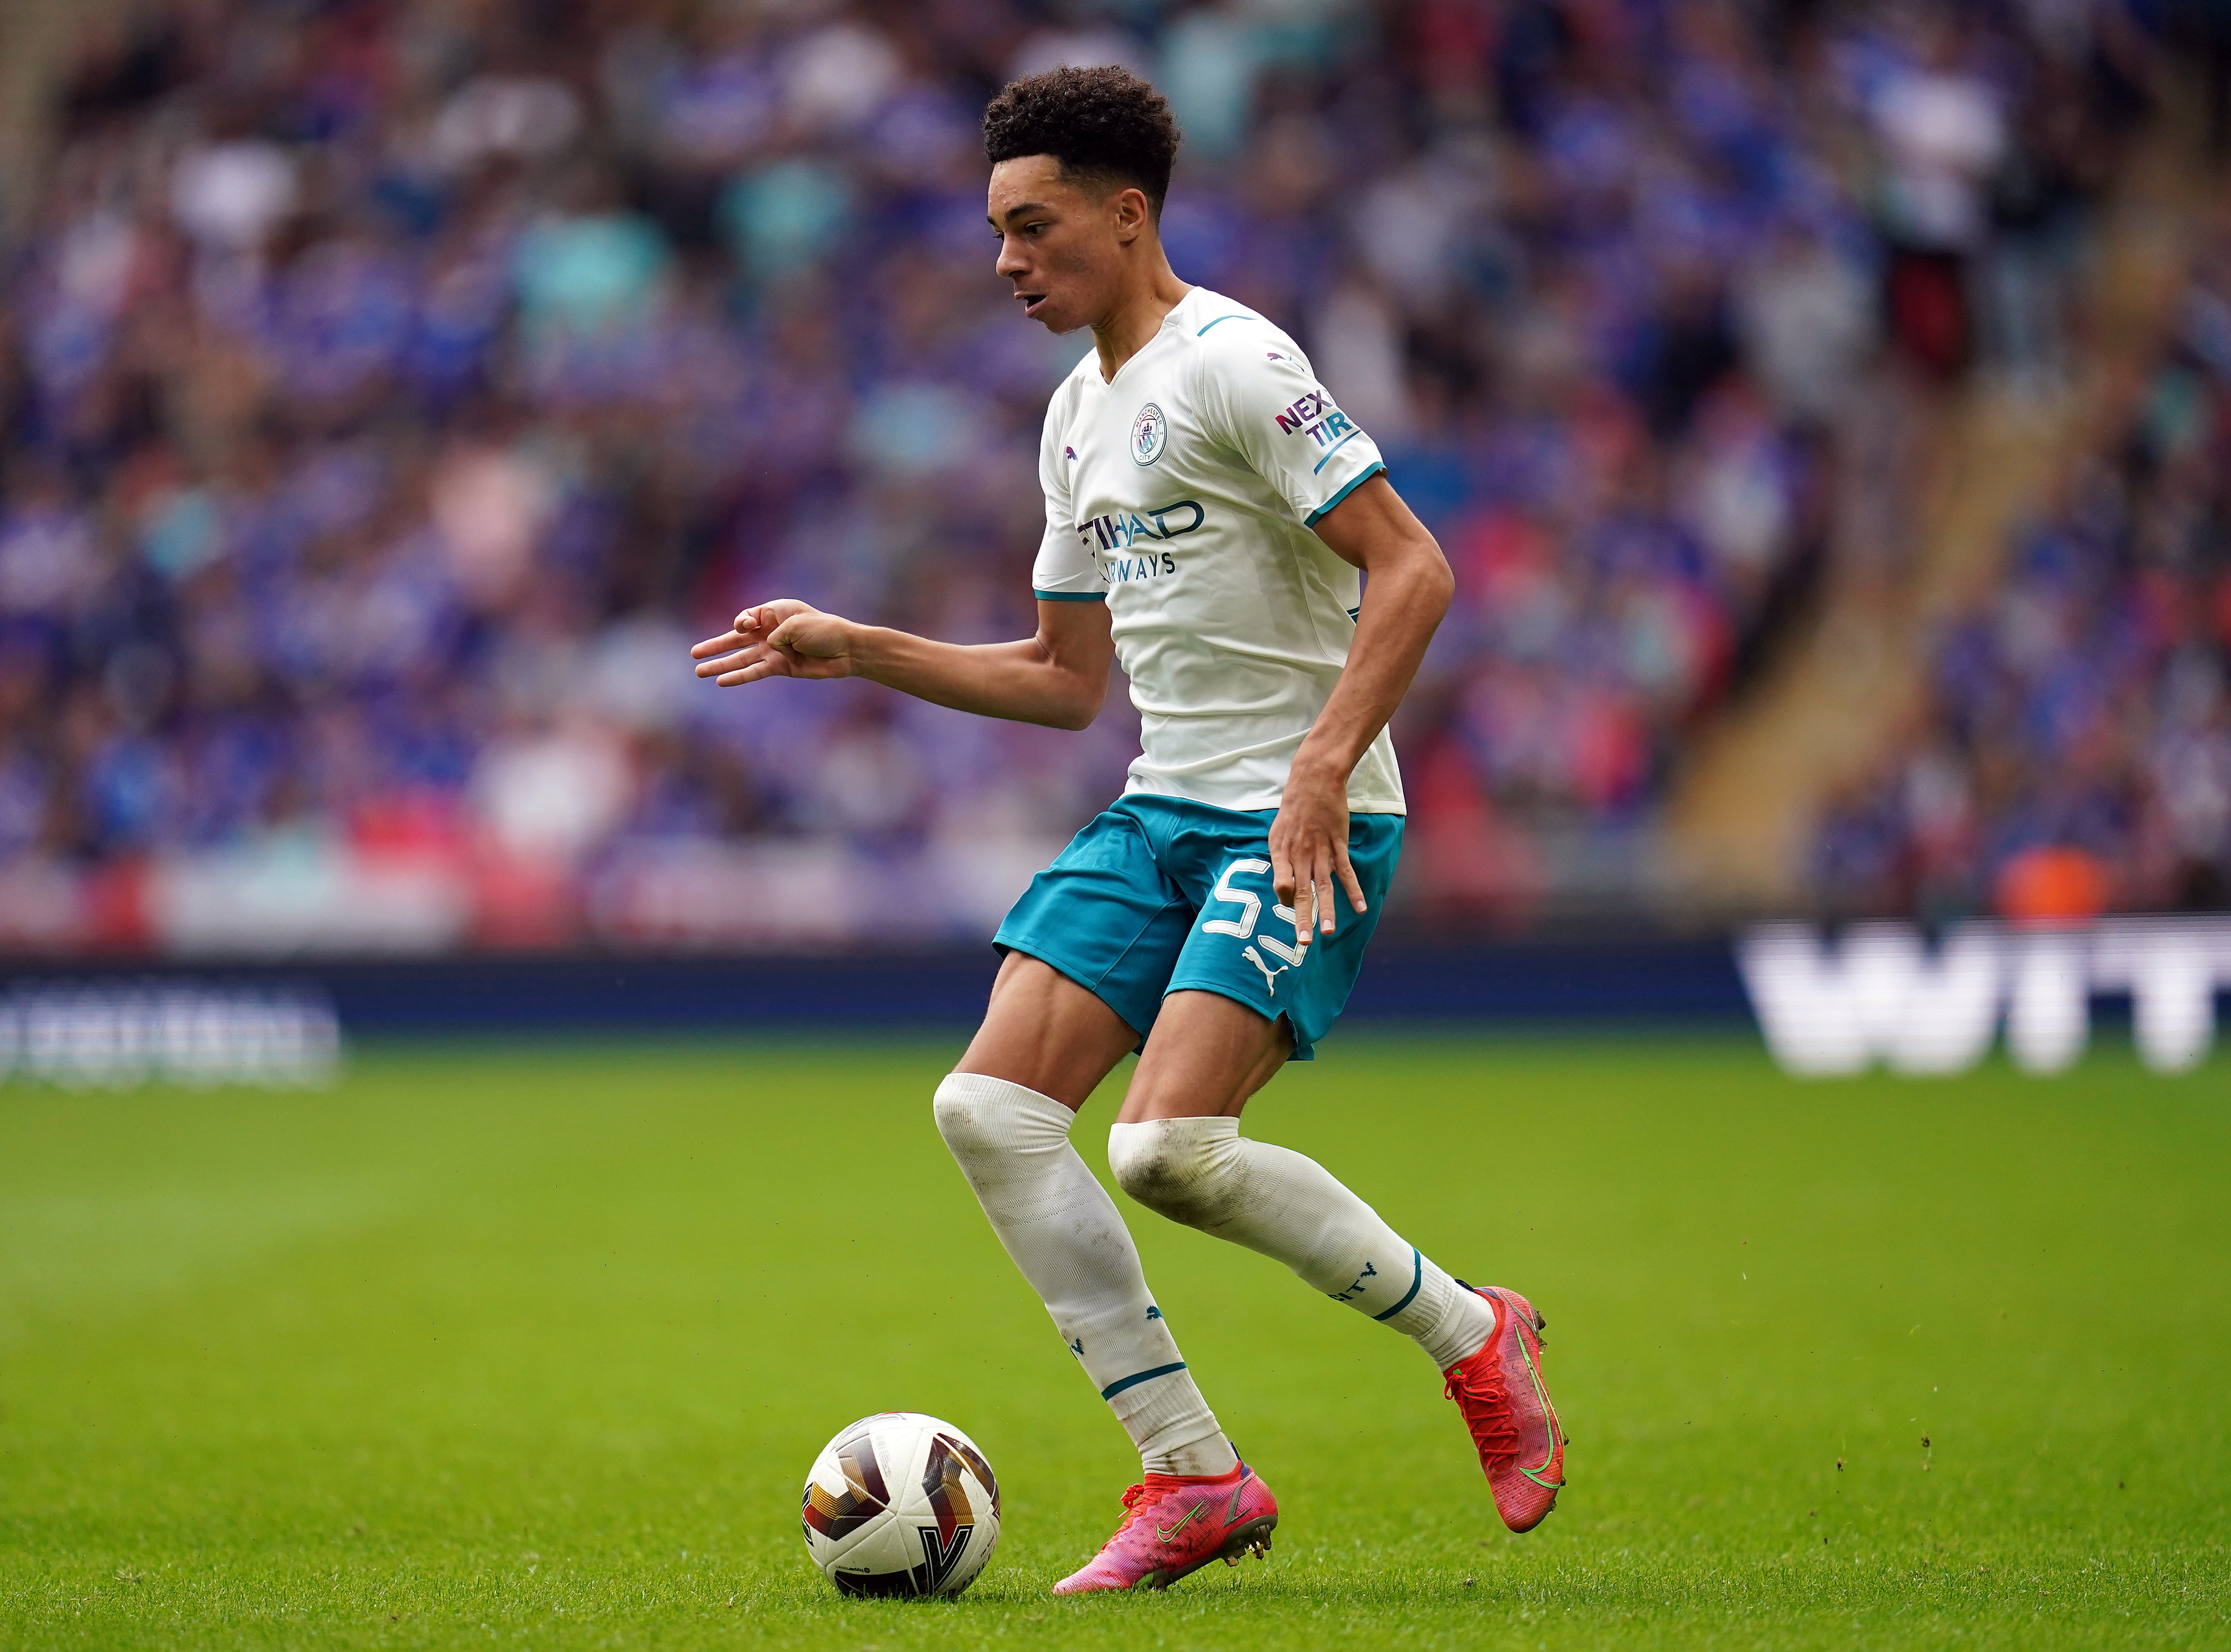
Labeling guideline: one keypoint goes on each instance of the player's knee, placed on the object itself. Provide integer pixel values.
(989, 1123)
(1185, 1168)
(967, 1117)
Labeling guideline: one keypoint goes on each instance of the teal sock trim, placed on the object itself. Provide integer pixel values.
(1417, 1278)
(1114, 1389)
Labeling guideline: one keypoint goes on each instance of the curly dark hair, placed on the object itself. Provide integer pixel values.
(1106, 126)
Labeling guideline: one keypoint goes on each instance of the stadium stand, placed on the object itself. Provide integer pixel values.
(2073, 755)
(393, 391)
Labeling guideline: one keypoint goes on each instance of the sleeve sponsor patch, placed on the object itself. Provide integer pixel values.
(1315, 417)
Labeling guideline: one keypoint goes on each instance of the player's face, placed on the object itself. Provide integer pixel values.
(1061, 248)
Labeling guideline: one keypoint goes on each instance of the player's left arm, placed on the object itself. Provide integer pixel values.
(1406, 590)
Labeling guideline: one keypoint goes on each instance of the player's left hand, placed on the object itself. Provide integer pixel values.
(1308, 852)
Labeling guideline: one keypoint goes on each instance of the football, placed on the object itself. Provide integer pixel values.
(901, 1504)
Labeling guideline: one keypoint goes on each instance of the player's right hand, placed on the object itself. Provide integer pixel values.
(781, 638)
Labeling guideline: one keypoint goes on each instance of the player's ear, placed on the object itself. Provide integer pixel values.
(1133, 213)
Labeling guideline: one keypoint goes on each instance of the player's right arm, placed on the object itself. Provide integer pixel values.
(1058, 678)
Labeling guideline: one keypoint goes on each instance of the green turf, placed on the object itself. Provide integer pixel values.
(493, 1345)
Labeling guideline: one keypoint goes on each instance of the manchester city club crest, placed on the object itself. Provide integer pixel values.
(1150, 433)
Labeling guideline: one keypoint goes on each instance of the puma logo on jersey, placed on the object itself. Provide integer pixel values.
(1270, 976)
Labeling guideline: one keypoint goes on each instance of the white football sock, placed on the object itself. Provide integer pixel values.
(1066, 1236)
(1200, 1172)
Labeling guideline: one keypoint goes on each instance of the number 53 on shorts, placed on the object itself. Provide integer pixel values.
(1161, 895)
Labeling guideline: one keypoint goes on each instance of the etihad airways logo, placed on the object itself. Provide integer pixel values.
(1119, 530)
(1119, 540)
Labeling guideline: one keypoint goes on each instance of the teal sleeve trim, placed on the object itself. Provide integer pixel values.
(1236, 315)
(1070, 596)
(1417, 1278)
(1312, 519)
(1114, 1389)
(1335, 447)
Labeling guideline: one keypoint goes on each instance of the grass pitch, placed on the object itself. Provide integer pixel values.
(532, 1347)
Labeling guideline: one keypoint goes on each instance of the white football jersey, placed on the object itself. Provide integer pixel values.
(1183, 495)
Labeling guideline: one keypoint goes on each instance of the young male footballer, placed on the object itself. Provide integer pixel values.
(1208, 507)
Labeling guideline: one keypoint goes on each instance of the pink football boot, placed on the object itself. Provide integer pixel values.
(1173, 1526)
(1499, 1390)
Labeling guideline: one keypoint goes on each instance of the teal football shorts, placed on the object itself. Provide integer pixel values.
(1161, 895)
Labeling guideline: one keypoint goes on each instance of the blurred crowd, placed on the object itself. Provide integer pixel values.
(2074, 753)
(394, 388)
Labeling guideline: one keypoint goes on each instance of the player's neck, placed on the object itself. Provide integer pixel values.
(1150, 292)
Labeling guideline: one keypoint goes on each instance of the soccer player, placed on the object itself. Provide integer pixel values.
(1208, 507)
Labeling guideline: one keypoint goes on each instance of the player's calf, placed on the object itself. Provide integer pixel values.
(1063, 1231)
(1203, 1173)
